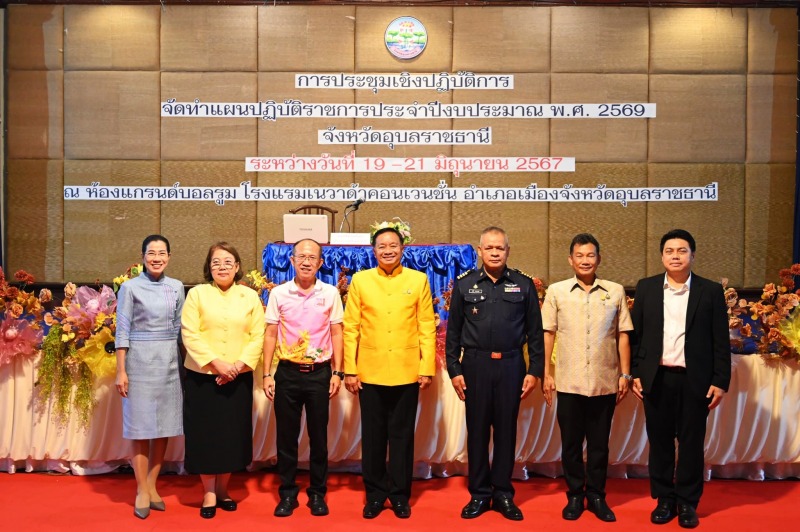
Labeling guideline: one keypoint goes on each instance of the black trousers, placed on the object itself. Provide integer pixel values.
(492, 398)
(388, 416)
(293, 391)
(673, 410)
(585, 418)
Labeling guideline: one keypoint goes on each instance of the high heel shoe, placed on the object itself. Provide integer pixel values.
(159, 506)
(141, 513)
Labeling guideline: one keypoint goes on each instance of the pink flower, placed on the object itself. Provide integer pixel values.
(92, 302)
(17, 338)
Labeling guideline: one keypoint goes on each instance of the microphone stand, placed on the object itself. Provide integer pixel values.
(347, 211)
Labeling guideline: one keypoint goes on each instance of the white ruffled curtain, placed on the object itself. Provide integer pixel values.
(753, 434)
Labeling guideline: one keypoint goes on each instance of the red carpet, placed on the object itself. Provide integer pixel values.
(33, 501)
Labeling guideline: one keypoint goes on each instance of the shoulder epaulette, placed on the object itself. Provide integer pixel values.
(529, 276)
(465, 274)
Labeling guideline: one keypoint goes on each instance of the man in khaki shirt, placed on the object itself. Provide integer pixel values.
(592, 372)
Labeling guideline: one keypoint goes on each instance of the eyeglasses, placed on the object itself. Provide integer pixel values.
(153, 255)
(302, 258)
(227, 265)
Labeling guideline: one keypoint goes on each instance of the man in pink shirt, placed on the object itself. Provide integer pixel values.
(304, 331)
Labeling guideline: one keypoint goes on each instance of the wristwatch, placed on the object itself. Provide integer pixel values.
(626, 376)
(339, 374)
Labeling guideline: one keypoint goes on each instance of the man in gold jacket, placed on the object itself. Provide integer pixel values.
(389, 356)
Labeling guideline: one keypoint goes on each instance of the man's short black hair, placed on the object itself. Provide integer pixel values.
(678, 233)
(386, 230)
(584, 238)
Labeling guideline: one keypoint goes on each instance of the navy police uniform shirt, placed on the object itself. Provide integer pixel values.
(494, 317)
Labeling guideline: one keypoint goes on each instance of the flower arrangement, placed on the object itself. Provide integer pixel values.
(20, 329)
(404, 228)
(78, 348)
(774, 315)
(75, 340)
(258, 282)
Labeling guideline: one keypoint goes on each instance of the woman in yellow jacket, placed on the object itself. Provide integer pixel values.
(389, 356)
(223, 331)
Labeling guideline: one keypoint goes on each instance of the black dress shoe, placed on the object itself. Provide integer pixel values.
(664, 513)
(229, 505)
(207, 512)
(475, 508)
(574, 507)
(507, 507)
(286, 507)
(372, 510)
(317, 505)
(401, 509)
(598, 506)
(687, 517)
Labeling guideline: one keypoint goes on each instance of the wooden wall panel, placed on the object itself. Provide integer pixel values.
(370, 51)
(287, 136)
(587, 39)
(599, 140)
(501, 39)
(103, 238)
(196, 225)
(111, 115)
(209, 38)
(207, 139)
(510, 137)
(771, 118)
(36, 120)
(769, 196)
(306, 39)
(111, 37)
(621, 231)
(698, 40)
(718, 227)
(772, 41)
(35, 37)
(724, 81)
(35, 210)
(700, 118)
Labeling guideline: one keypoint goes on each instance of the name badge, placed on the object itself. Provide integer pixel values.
(473, 291)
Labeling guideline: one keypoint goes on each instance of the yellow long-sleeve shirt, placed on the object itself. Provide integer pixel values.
(389, 330)
(227, 325)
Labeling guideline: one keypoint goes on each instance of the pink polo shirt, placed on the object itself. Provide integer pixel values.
(304, 321)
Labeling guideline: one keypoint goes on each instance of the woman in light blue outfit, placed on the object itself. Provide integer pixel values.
(148, 329)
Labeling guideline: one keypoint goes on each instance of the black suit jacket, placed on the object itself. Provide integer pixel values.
(707, 348)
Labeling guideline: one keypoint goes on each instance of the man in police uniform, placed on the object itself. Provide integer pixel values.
(494, 311)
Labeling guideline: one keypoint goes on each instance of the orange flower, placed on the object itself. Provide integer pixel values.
(15, 310)
(769, 291)
(24, 277)
(45, 295)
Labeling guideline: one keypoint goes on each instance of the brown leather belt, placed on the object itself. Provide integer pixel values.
(305, 368)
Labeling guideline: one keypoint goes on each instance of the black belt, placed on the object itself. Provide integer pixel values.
(496, 355)
(305, 368)
(673, 369)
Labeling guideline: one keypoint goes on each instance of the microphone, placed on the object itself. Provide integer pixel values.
(356, 204)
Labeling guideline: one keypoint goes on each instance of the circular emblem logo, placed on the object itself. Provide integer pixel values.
(405, 37)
